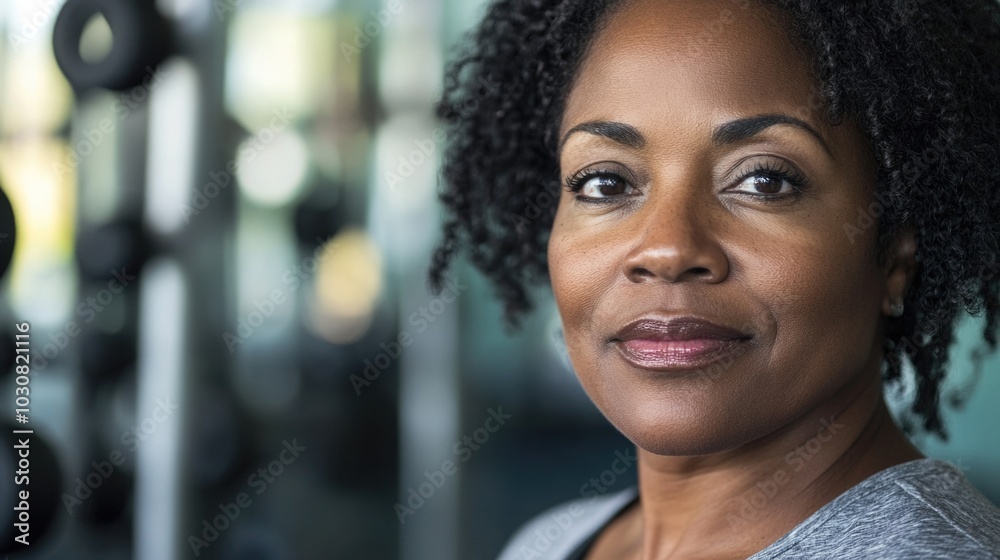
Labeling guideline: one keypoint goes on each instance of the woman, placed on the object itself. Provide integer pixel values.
(766, 209)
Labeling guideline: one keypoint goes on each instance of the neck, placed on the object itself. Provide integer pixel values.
(736, 503)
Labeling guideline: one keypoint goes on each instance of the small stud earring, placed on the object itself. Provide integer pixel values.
(897, 308)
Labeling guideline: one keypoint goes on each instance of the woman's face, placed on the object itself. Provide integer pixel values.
(712, 190)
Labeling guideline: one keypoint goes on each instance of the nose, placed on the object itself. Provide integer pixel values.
(675, 240)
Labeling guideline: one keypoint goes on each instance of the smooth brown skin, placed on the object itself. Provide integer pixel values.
(682, 242)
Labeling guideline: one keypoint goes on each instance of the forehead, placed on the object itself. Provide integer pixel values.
(687, 59)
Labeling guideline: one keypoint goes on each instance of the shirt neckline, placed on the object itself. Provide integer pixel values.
(800, 531)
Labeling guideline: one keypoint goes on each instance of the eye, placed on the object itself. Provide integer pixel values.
(598, 185)
(767, 185)
(770, 180)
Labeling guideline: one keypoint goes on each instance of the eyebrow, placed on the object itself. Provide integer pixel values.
(728, 133)
(622, 133)
(743, 129)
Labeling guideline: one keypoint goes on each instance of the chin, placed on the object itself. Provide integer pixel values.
(681, 425)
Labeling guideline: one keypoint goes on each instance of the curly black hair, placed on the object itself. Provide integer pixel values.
(921, 78)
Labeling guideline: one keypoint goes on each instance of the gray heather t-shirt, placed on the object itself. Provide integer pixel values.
(921, 509)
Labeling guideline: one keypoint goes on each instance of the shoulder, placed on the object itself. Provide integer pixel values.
(940, 500)
(559, 531)
(921, 509)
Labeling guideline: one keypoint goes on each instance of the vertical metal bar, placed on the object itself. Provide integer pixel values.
(429, 418)
(429, 397)
(185, 298)
(162, 364)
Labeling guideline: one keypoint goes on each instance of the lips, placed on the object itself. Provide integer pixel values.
(677, 344)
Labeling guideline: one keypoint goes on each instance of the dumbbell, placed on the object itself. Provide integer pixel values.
(142, 38)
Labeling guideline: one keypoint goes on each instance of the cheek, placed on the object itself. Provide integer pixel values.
(576, 272)
(582, 269)
(824, 294)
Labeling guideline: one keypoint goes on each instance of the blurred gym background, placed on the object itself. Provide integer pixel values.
(224, 210)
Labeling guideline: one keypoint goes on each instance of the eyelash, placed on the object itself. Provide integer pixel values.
(576, 182)
(769, 169)
(780, 171)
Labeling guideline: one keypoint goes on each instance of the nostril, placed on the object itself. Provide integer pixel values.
(642, 273)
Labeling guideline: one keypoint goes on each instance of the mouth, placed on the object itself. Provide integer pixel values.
(678, 344)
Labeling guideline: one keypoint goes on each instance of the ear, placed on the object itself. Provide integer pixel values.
(900, 268)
